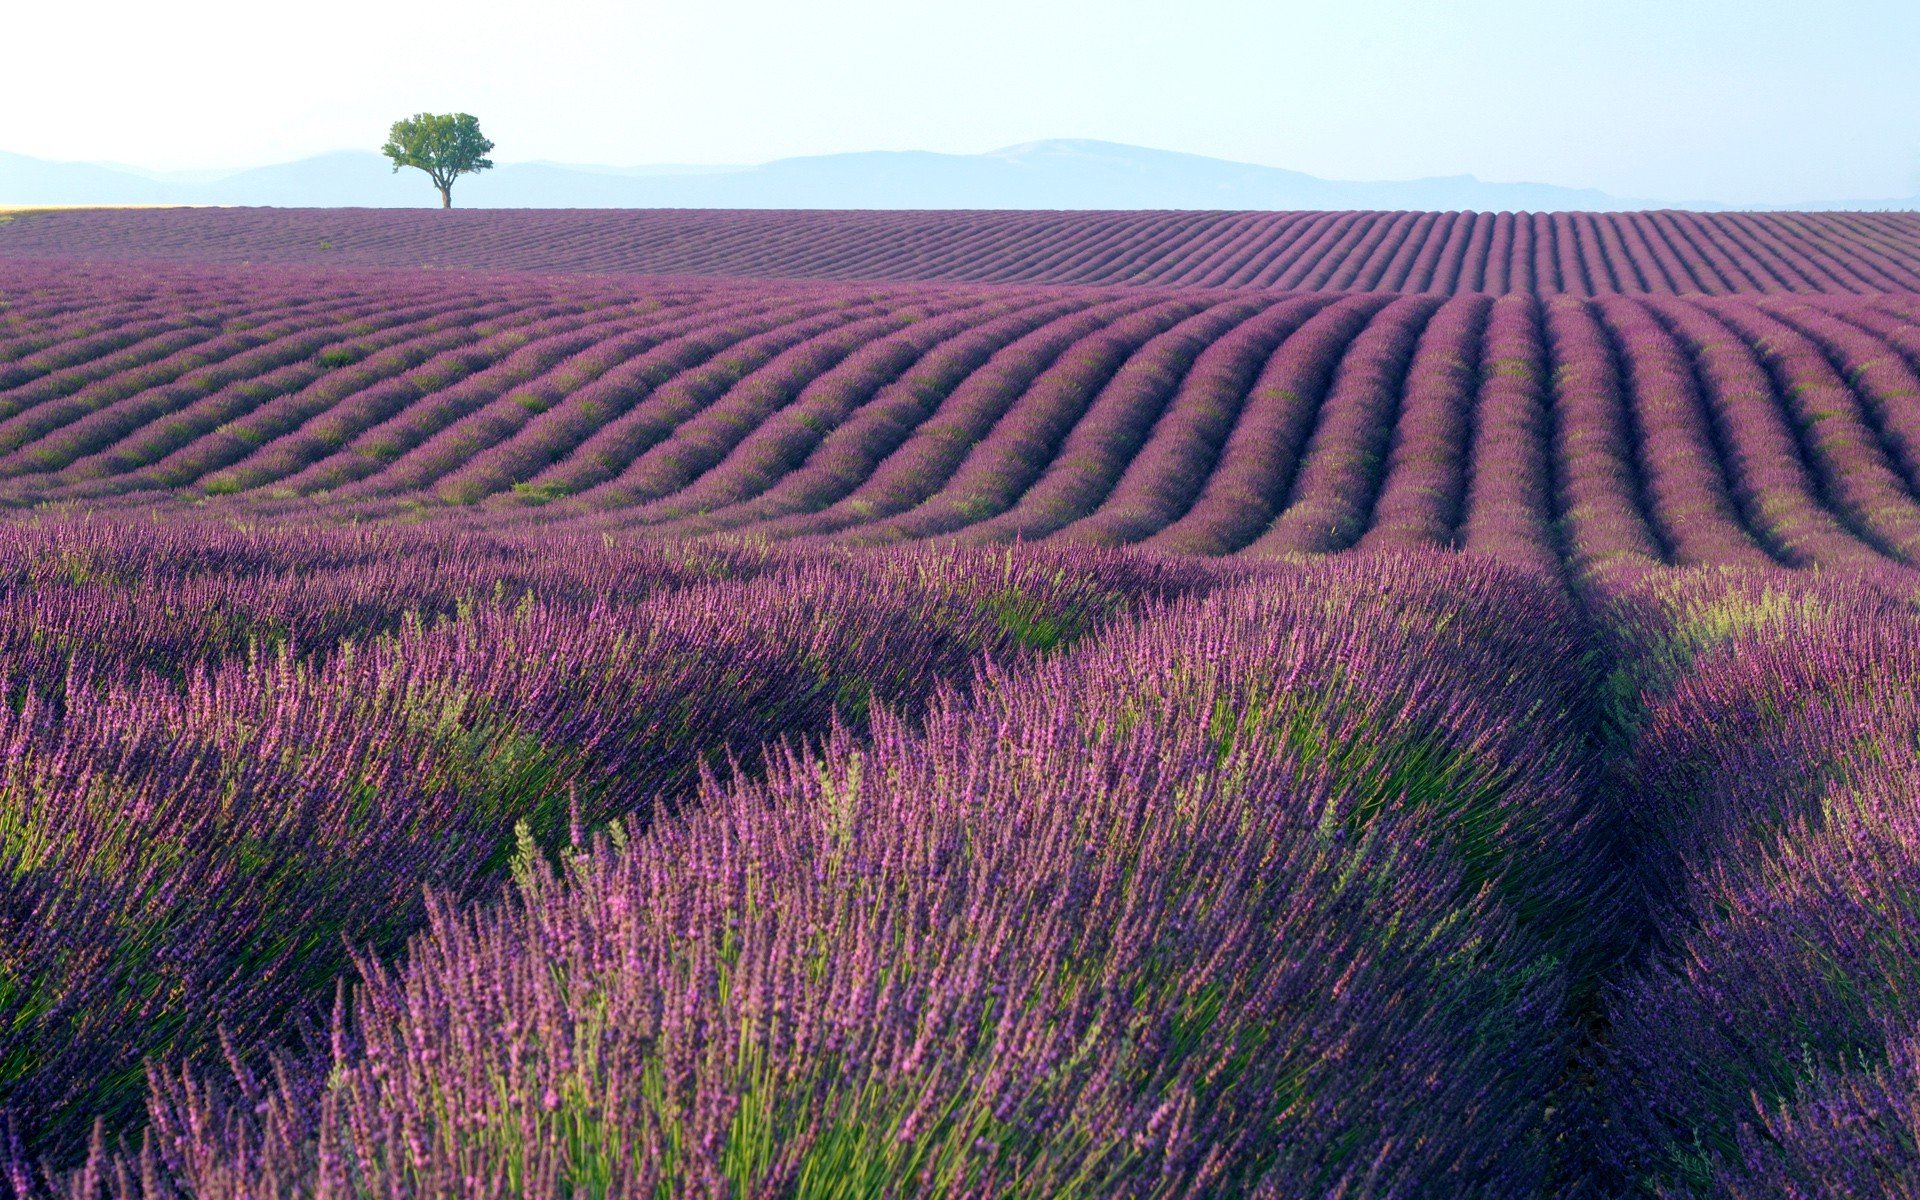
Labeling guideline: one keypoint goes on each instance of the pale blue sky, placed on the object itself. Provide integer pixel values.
(1766, 101)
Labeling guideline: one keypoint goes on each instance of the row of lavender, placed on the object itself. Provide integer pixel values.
(1142, 917)
(232, 757)
(1673, 253)
(1579, 431)
(1760, 1034)
(1285, 887)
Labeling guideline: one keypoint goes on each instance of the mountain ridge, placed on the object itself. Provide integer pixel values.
(1051, 174)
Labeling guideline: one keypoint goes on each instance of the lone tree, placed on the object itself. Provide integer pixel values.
(444, 145)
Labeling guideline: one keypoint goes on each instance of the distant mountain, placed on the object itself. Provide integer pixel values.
(1052, 174)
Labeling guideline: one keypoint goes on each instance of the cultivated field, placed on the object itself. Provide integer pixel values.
(981, 704)
(1734, 431)
(1677, 253)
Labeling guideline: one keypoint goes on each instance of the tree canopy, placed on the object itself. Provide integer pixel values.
(444, 145)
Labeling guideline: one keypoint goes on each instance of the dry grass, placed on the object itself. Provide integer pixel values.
(11, 212)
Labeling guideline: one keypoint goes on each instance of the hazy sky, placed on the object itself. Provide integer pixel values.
(1762, 101)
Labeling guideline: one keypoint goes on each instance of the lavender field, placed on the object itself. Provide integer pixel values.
(959, 705)
(1663, 252)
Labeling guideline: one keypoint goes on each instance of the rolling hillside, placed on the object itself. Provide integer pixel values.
(965, 704)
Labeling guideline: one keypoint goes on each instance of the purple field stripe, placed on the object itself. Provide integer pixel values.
(698, 443)
(1661, 275)
(1714, 253)
(1238, 241)
(1342, 466)
(1770, 476)
(1438, 266)
(1298, 229)
(1804, 240)
(844, 458)
(1897, 326)
(878, 253)
(1013, 249)
(1602, 498)
(1866, 248)
(1160, 482)
(1842, 446)
(177, 452)
(1100, 445)
(1888, 229)
(613, 445)
(133, 432)
(1691, 500)
(782, 442)
(1886, 383)
(1210, 265)
(318, 435)
(1548, 252)
(389, 442)
(50, 435)
(1496, 258)
(1686, 282)
(1189, 265)
(1161, 254)
(1750, 265)
(1890, 245)
(1128, 240)
(694, 336)
(1473, 269)
(98, 358)
(1798, 256)
(1030, 240)
(1819, 272)
(1549, 278)
(1003, 460)
(965, 261)
(1394, 253)
(1061, 259)
(1394, 274)
(1665, 223)
(1379, 233)
(1519, 256)
(1579, 257)
(1300, 257)
(386, 356)
(266, 442)
(589, 358)
(1033, 244)
(1335, 256)
(1260, 456)
(1031, 868)
(1743, 271)
(116, 364)
(58, 357)
(1424, 484)
(1508, 512)
(1042, 244)
(1610, 269)
(919, 464)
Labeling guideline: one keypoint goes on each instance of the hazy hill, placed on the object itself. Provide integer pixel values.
(1051, 174)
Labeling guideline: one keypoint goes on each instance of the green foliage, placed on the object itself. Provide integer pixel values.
(540, 493)
(444, 145)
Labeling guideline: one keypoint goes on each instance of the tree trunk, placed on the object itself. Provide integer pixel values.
(446, 195)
